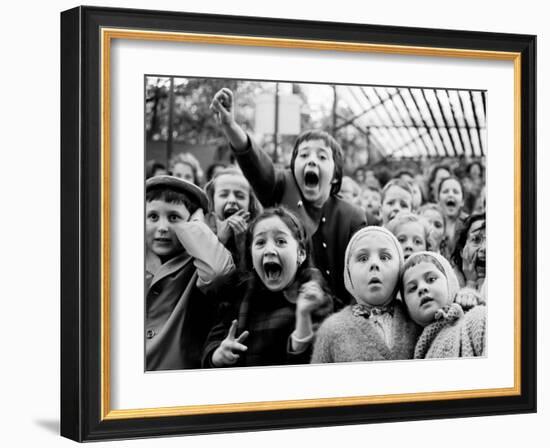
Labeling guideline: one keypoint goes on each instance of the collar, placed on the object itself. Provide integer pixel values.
(361, 310)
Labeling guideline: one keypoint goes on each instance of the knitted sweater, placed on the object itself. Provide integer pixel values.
(344, 337)
(455, 335)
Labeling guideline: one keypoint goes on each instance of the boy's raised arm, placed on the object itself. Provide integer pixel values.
(255, 164)
(223, 105)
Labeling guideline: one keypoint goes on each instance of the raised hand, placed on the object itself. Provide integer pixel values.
(223, 105)
(310, 297)
(228, 353)
(239, 221)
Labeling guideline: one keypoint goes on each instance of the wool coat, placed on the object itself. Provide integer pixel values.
(455, 336)
(345, 337)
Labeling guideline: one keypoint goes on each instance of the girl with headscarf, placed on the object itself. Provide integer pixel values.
(429, 287)
(376, 327)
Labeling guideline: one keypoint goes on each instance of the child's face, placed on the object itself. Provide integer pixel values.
(417, 195)
(162, 221)
(374, 269)
(441, 174)
(395, 200)
(450, 198)
(426, 291)
(411, 237)
(231, 194)
(474, 250)
(183, 171)
(314, 170)
(275, 253)
(437, 224)
(371, 201)
(349, 192)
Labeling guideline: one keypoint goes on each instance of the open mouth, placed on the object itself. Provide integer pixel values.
(451, 202)
(480, 265)
(311, 179)
(375, 281)
(230, 211)
(273, 270)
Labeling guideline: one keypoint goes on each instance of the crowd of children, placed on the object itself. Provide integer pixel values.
(270, 265)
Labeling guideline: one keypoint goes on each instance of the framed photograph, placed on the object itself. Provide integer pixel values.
(278, 224)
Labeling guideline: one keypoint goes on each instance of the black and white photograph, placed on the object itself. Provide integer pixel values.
(296, 223)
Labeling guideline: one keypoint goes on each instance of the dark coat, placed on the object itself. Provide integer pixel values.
(330, 227)
(269, 317)
(178, 316)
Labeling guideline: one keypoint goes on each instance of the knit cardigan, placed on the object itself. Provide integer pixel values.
(344, 337)
(458, 336)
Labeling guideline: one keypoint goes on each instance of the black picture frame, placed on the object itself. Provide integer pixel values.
(82, 206)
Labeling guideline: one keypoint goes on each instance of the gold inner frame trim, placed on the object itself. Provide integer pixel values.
(107, 35)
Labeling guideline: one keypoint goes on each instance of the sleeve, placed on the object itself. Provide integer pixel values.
(322, 347)
(476, 326)
(267, 182)
(358, 220)
(210, 256)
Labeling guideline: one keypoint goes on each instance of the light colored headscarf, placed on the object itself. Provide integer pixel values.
(452, 281)
(359, 235)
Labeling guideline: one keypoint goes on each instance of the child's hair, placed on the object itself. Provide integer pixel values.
(254, 206)
(210, 170)
(295, 226)
(397, 183)
(447, 179)
(171, 196)
(431, 179)
(151, 168)
(374, 188)
(404, 172)
(430, 206)
(405, 217)
(337, 154)
(456, 256)
(472, 164)
(189, 160)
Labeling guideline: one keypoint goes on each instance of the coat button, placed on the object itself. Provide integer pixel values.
(300, 204)
(323, 219)
(328, 272)
(150, 334)
(324, 245)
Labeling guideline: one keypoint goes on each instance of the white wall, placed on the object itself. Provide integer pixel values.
(30, 225)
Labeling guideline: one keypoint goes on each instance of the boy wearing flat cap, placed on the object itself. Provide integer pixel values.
(178, 315)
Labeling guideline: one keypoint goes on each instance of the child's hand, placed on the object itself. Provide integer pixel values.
(310, 298)
(238, 222)
(468, 298)
(228, 353)
(197, 216)
(223, 105)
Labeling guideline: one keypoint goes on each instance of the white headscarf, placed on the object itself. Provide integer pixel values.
(357, 236)
(452, 280)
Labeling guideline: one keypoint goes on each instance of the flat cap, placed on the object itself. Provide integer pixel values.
(194, 193)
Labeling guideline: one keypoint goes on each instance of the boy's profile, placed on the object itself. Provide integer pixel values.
(178, 315)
